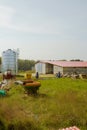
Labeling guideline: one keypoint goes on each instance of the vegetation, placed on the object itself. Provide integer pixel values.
(59, 103)
(76, 60)
(24, 65)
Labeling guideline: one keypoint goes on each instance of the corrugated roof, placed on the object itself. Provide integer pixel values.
(67, 63)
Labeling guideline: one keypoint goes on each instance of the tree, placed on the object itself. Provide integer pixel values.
(24, 65)
(75, 60)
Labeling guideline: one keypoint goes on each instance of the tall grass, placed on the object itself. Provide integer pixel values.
(59, 103)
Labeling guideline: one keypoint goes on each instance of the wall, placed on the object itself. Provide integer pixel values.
(40, 67)
(57, 69)
(78, 70)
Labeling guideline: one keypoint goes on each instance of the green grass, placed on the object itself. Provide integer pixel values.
(59, 103)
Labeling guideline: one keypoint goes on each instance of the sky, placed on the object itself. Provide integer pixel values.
(44, 29)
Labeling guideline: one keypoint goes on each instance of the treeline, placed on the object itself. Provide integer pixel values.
(24, 65)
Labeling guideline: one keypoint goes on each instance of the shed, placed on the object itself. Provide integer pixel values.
(53, 67)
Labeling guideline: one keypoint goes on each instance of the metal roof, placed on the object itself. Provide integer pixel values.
(67, 63)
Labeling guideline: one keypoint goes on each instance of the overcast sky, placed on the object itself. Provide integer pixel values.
(44, 29)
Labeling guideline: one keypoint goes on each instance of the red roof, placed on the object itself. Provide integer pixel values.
(67, 63)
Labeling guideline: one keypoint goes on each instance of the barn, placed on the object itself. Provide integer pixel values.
(53, 67)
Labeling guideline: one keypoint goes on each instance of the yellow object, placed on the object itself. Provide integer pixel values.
(27, 76)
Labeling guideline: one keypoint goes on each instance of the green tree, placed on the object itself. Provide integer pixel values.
(24, 65)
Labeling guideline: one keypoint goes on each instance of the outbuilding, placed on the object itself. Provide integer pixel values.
(10, 61)
(53, 67)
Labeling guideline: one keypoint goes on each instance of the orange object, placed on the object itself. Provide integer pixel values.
(32, 88)
(33, 84)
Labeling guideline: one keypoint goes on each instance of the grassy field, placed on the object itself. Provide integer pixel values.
(59, 103)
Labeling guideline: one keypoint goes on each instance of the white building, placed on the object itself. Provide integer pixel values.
(10, 61)
(53, 67)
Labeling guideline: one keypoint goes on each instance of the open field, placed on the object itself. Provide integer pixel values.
(59, 103)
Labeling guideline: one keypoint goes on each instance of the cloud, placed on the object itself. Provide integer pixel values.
(6, 14)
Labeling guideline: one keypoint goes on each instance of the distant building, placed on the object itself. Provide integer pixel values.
(10, 61)
(53, 67)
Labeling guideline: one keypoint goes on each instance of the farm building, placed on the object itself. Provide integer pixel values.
(10, 61)
(53, 67)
